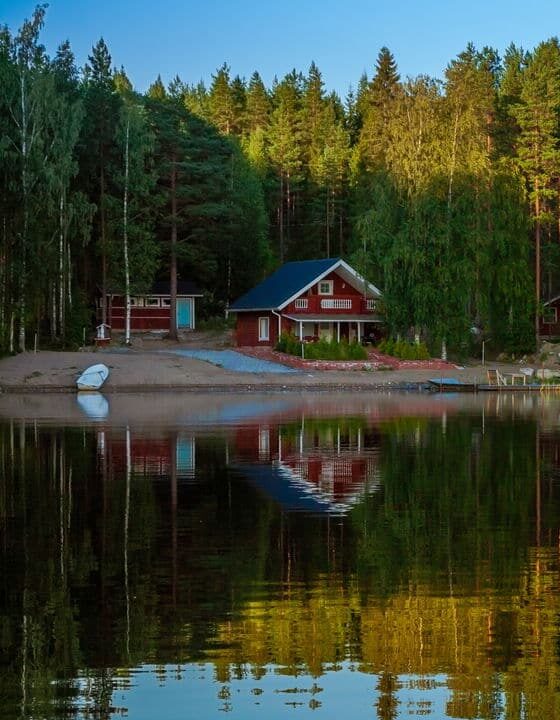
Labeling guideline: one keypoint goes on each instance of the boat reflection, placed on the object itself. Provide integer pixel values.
(93, 404)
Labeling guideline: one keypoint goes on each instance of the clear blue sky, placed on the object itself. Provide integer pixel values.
(192, 39)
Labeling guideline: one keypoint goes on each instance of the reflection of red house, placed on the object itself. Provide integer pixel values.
(333, 466)
(310, 299)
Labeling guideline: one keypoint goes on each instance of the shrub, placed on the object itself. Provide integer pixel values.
(322, 349)
(216, 323)
(404, 350)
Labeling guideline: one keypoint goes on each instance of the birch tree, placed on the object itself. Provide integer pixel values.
(135, 263)
(24, 94)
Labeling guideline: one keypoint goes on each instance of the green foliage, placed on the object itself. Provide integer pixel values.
(79, 323)
(404, 350)
(322, 349)
(216, 323)
(443, 194)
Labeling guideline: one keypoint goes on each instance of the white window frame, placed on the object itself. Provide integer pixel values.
(329, 287)
(264, 320)
(136, 302)
(152, 302)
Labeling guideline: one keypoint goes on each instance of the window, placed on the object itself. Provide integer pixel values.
(326, 287)
(550, 315)
(136, 302)
(264, 442)
(264, 328)
(301, 304)
(152, 302)
(165, 302)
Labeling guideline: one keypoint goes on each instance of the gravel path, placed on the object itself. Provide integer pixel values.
(237, 362)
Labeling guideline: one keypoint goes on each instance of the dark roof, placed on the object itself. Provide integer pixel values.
(161, 287)
(184, 287)
(292, 493)
(282, 284)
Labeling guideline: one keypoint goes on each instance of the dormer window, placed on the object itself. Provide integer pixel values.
(326, 287)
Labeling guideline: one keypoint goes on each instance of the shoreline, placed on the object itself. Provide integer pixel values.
(134, 371)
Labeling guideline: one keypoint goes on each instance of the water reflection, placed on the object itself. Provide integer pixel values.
(378, 556)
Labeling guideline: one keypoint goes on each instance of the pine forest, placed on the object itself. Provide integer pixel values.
(443, 193)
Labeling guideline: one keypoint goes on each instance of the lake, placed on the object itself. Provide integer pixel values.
(286, 555)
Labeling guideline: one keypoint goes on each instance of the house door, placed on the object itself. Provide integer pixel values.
(184, 313)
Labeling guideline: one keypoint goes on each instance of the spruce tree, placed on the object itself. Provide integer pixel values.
(258, 104)
(538, 153)
(221, 101)
(98, 152)
(374, 105)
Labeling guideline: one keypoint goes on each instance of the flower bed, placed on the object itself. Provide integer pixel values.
(374, 361)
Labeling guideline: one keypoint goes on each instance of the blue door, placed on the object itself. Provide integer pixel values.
(183, 313)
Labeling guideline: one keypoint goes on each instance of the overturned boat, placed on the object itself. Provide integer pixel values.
(93, 377)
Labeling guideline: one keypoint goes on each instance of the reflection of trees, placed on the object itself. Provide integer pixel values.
(107, 568)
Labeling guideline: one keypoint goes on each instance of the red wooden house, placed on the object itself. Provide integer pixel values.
(152, 311)
(549, 323)
(311, 299)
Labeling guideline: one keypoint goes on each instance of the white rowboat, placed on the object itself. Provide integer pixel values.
(93, 377)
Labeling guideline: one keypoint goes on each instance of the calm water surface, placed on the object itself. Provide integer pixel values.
(184, 556)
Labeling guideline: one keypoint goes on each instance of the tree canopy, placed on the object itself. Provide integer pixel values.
(444, 193)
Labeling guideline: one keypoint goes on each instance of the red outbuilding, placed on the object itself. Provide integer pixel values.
(152, 311)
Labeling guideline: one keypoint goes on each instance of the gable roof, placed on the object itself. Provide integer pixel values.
(294, 278)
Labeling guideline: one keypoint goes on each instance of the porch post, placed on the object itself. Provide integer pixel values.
(338, 331)
(359, 328)
(301, 330)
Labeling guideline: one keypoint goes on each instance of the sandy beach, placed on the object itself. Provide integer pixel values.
(141, 370)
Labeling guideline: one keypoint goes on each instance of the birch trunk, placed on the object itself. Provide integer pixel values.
(328, 235)
(61, 245)
(125, 234)
(537, 261)
(281, 217)
(24, 184)
(173, 274)
(103, 248)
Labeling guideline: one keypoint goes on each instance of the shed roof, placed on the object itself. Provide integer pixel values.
(162, 288)
(292, 279)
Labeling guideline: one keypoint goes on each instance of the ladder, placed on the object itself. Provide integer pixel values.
(495, 377)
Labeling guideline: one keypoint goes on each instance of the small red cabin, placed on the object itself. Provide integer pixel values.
(152, 311)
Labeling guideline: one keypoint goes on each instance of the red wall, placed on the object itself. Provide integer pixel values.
(247, 329)
(338, 288)
(141, 318)
(551, 329)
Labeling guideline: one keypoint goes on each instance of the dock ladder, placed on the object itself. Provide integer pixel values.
(495, 377)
